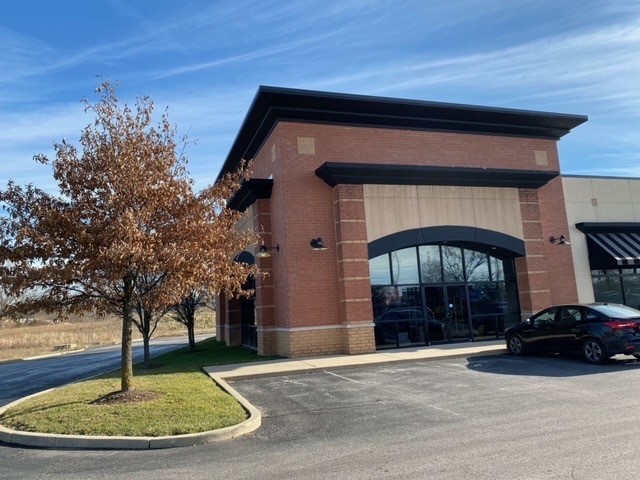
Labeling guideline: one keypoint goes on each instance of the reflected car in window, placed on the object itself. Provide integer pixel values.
(597, 331)
(406, 326)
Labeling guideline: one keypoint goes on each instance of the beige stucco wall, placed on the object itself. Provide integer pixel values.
(395, 208)
(590, 199)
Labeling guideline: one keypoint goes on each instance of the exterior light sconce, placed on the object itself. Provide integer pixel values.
(264, 252)
(561, 240)
(317, 244)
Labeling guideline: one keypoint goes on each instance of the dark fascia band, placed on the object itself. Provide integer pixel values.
(274, 104)
(334, 173)
(250, 191)
(608, 227)
(497, 244)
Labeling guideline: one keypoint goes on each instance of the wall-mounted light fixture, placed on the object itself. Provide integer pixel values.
(264, 252)
(562, 240)
(317, 244)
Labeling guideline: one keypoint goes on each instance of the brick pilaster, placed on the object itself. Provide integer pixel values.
(356, 311)
(533, 270)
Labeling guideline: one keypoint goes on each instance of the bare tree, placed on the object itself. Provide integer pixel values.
(185, 313)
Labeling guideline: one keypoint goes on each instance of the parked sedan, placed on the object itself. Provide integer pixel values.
(597, 331)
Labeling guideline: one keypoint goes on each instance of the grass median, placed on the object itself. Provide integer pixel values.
(182, 399)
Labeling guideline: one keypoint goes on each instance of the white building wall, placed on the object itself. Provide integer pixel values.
(596, 199)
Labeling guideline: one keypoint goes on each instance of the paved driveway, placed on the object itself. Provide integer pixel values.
(497, 417)
(22, 378)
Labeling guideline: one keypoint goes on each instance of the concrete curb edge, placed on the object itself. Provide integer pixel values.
(58, 441)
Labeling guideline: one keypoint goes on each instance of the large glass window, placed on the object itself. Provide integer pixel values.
(617, 286)
(404, 266)
(379, 270)
(476, 265)
(452, 266)
(430, 266)
(434, 293)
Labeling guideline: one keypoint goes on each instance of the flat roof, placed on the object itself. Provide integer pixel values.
(273, 104)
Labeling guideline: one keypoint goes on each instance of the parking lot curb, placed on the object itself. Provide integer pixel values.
(94, 442)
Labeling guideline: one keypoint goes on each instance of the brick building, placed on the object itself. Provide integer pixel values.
(389, 222)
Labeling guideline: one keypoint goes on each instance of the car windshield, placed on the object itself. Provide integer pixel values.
(617, 311)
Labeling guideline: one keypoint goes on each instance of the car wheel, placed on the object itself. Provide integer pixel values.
(515, 345)
(593, 351)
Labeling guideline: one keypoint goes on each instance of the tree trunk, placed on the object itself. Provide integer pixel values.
(146, 336)
(126, 376)
(145, 342)
(192, 336)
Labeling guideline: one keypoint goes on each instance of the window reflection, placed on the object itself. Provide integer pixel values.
(430, 267)
(379, 270)
(404, 266)
(452, 264)
(476, 266)
(467, 294)
(497, 269)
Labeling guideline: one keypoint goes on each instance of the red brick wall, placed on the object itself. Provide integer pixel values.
(307, 289)
(562, 279)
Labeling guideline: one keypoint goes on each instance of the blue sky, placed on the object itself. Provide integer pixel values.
(205, 60)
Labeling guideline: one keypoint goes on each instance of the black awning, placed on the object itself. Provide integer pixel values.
(613, 250)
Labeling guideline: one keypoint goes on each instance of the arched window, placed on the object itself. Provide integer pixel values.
(441, 293)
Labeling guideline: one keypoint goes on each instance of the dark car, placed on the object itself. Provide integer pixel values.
(597, 331)
(406, 325)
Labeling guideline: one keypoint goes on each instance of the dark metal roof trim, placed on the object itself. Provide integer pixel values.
(334, 173)
(273, 104)
(608, 227)
(250, 191)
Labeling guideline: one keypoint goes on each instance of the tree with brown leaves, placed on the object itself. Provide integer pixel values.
(126, 212)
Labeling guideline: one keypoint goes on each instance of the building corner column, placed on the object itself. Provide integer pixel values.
(265, 310)
(532, 271)
(354, 284)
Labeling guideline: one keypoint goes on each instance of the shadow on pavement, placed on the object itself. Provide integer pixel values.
(548, 365)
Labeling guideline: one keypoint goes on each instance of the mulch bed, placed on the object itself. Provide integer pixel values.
(115, 398)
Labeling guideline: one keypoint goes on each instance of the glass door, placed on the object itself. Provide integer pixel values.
(449, 307)
(458, 312)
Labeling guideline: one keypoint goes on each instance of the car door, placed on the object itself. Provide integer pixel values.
(542, 329)
(569, 321)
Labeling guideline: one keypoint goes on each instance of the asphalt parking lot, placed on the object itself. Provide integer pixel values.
(490, 417)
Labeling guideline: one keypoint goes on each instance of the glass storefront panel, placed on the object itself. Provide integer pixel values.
(399, 316)
(487, 298)
(457, 312)
(430, 266)
(452, 266)
(607, 289)
(497, 269)
(379, 270)
(476, 266)
(443, 293)
(631, 285)
(404, 266)
(387, 298)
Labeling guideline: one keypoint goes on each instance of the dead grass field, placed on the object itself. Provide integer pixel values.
(40, 336)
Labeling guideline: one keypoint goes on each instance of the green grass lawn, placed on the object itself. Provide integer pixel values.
(188, 401)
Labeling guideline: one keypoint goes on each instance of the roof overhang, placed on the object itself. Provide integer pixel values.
(251, 190)
(334, 173)
(274, 104)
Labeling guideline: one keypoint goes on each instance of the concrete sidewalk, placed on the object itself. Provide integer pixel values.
(220, 374)
(279, 367)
